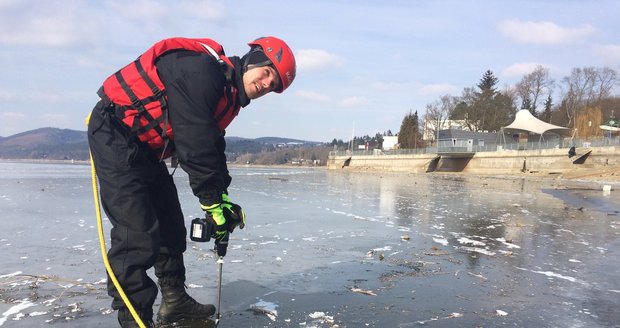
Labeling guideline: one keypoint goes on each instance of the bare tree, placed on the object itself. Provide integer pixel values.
(534, 88)
(438, 114)
(463, 108)
(576, 88)
(605, 80)
(586, 87)
(433, 119)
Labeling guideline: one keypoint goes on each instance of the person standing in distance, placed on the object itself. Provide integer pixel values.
(176, 99)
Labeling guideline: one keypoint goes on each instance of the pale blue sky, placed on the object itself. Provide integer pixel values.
(360, 64)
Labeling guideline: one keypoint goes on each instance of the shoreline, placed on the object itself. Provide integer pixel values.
(599, 175)
(591, 176)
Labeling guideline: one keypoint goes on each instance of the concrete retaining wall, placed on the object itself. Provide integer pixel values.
(543, 160)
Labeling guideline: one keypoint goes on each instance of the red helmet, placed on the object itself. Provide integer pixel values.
(281, 56)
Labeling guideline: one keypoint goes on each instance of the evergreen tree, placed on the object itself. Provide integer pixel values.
(527, 104)
(491, 109)
(409, 135)
(488, 83)
(546, 114)
(483, 106)
(378, 139)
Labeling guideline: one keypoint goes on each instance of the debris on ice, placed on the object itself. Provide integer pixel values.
(363, 291)
(266, 308)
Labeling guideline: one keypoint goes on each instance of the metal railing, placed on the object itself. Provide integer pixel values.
(470, 146)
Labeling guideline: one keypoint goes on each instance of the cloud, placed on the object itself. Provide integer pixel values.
(316, 60)
(312, 96)
(393, 86)
(39, 30)
(356, 101)
(46, 96)
(415, 87)
(542, 32)
(610, 53)
(161, 14)
(437, 89)
(206, 10)
(55, 117)
(148, 9)
(5, 95)
(520, 69)
(12, 114)
(76, 23)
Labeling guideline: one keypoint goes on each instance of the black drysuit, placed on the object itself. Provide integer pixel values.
(138, 193)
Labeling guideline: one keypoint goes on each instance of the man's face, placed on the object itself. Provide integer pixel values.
(258, 81)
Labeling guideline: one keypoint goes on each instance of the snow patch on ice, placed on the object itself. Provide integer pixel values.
(551, 274)
(16, 273)
(442, 241)
(465, 240)
(16, 309)
(320, 318)
(477, 250)
(509, 245)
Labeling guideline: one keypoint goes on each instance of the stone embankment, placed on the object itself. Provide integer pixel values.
(588, 163)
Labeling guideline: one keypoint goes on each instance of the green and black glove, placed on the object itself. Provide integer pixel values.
(233, 213)
(224, 217)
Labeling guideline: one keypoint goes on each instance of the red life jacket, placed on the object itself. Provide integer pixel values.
(137, 90)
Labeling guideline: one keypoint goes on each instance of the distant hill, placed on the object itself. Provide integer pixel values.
(64, 144)
(45, 143)
(286, 141)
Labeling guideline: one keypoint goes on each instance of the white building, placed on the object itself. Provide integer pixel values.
(430, 127)
(390, 142)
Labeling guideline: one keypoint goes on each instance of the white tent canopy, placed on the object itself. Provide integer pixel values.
(526, 122)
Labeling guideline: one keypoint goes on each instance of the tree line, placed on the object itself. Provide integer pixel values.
(585, 100)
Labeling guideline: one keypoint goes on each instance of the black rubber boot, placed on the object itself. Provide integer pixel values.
(176, 305)
(125, 319)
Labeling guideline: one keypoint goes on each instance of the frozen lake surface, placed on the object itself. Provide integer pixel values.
(336, 249)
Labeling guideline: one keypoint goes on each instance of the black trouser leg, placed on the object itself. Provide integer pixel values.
(169, 264)
(140, 199)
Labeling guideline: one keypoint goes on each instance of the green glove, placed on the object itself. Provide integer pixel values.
(233, 213)
(224, 217)
(214, 214)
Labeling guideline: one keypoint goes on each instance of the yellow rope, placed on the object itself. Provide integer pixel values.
(104, 253)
